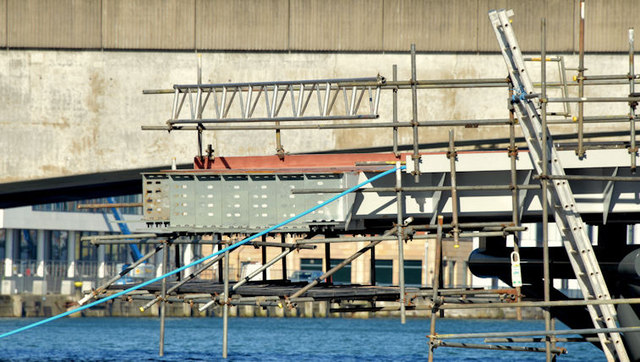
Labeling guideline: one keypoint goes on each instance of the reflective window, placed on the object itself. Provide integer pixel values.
(413, 273)
(384, 272)
(311, 264)
(59, 242)
(342, 276)
(28, 245)
(3, 239)
(72, 206)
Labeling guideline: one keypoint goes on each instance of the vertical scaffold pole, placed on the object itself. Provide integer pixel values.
(515, 217)
(400, 233)
(220, 261)
(284, 260)
(451, 155)
(163, 306)
(414, 121)
(395, 111)
(545, 185)
(372, 266)
(632, 105)
(264, 258)
(581, 150)
(327, 259)
(225, 307)
(199, 107)
(434, 286)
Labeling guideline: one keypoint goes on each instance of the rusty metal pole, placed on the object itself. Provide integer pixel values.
(434, 286)
(163, 307)
(372, 266)
(284, 260)
(581, 150)
(545, 185)
(414, 122)
(451, 155)
(264, 258)
(220, 261)
(341, 265)
(395, 111)
(400, 233)
(633, 150)
(199, 108)
(225, 307)
(515, 217)
(327, 259)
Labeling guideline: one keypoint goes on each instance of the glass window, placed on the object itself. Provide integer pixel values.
(59, 242)
(451, 264)
(27, 248)
(116, 253)
(3, 239)
(311, 264)
(86, 250)
(342, 276)
(465, 274)
(384, 272)
(413, 273)
(72, 206)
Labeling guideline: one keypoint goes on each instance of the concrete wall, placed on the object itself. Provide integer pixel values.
(310, 25)
(72, 112)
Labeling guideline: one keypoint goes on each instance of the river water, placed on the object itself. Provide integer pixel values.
(261, 339)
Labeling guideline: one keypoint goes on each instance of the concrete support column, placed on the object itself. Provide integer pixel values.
(187, 258)
(159, 262)
(102, 267)
(71, 255)
(8, 285)
(9, 252)
(40, 253)
(40, 283)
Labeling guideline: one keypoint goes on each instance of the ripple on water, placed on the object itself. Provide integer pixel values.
(259, 339)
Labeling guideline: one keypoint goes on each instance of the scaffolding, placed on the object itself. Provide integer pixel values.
(354, 103)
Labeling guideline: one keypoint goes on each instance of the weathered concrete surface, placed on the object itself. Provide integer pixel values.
(72, 112)
(27, 305)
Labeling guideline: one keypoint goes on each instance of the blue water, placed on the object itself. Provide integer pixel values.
(260, 339)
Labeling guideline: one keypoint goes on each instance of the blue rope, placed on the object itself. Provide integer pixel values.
(518, 95)
(231, 247)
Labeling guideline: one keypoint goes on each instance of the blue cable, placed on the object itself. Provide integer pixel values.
(229, 248)
(518, 96)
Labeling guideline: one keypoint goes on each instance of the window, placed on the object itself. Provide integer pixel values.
(27, 248)
(465, 274)
(413, 273)
(59, 241)
(116, 253)
(72, 206)
(384, 272)
(450, 267)
(311, 264)
(86, 251)
(342, 276)
(3, 239)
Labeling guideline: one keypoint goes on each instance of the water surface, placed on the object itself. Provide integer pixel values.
(261, 339)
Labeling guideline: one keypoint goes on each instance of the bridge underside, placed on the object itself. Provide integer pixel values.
(246, 194)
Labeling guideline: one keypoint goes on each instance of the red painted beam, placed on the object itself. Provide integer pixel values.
(294, 162)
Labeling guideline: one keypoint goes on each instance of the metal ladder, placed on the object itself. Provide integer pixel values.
(567, 217)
